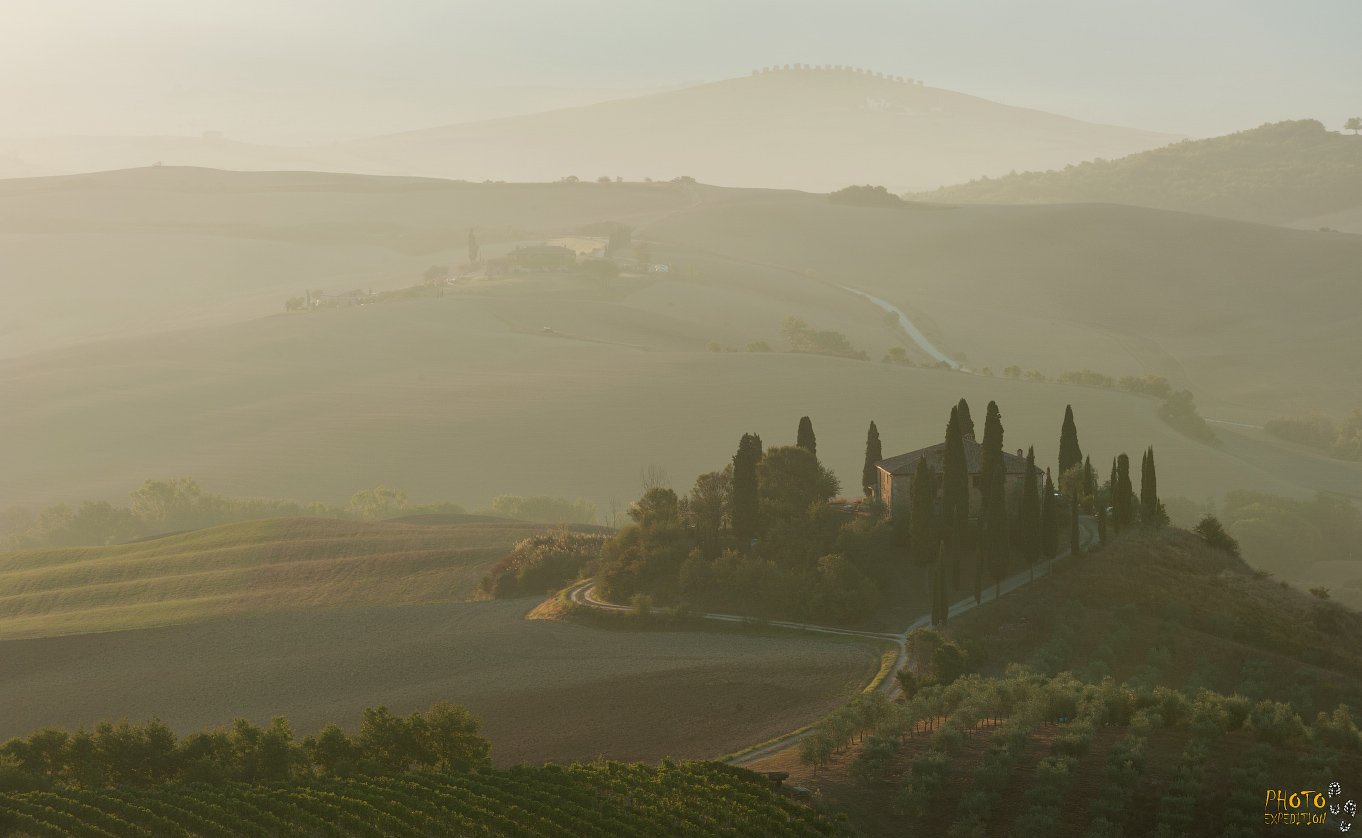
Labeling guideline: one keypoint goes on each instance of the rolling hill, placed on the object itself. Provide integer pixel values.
(566, 384)
(805, 128)
(250, 568)
(1294, 173)
(1255, 321)
(127, 252)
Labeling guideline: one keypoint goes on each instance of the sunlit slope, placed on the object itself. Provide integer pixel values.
(251, 568)
(802, 129)
(134, 251)
(1295, 173)
(1255, 320)
(455, 398)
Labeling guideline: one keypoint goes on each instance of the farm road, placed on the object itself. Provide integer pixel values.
(584, 594)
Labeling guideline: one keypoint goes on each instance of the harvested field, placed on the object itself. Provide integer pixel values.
(545, 690)
(249, 568)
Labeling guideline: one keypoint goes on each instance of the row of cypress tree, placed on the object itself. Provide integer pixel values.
(942, 538)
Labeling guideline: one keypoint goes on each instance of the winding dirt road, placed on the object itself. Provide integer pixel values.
(584, 594)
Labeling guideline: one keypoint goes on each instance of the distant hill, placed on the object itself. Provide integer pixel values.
(1294, 173)
(816, 129)
(78, 154)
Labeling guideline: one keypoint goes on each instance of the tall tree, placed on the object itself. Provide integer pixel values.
(1029, 528)
(1089, 478)
(1151, 510)
(993, 534)
(1122, 495)
(996, 530)
(1070, 454)
(924, 535)
(805, 438)
(1102, 524)
(745, 495)
(474, 249)
(966, 421)
(869, 474)
(955, 494)
(1049, 523)
(1075, 543)
(941, 610)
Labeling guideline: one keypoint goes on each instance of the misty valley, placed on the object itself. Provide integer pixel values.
(813, 450)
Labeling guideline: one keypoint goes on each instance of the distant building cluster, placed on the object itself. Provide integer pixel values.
(834, 68)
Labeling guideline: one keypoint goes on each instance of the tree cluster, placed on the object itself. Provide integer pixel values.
(758, 537)
(444, 738)
(866, 196)
(543, 563)
(1340, 440)
(804, 338)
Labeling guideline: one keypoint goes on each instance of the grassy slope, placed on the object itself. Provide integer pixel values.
(250, 568)
(1221, 619)
(1236, 633)
(1254, 320)
(1279, 173)
(441, 398)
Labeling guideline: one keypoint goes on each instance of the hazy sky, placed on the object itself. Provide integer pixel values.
(312, 70)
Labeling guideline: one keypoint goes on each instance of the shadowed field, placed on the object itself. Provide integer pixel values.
(545, 690)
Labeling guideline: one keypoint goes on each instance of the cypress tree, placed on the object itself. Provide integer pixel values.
(993, 511)
(941, 609)
(745, 489)
(1151, 511)
(1089, 478)
(1122, 496)
(998, 536)
(1070, 454)
(1075, 544)
(805, 438)
(923, 533)
(992, 455)
(966, 421)
(870, 474)
(1102, 524)
(1049, 525)
(1030, 514)
(955, 493)
(474, 250)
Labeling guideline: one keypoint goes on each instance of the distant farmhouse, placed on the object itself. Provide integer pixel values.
(896, 474)
(543, 257)
(591, 247)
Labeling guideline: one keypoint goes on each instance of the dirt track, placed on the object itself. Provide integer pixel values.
(545, 690)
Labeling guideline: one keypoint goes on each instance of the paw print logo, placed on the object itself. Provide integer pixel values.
(1345, 811)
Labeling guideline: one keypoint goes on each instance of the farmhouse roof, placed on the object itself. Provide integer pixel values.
(935, 456)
